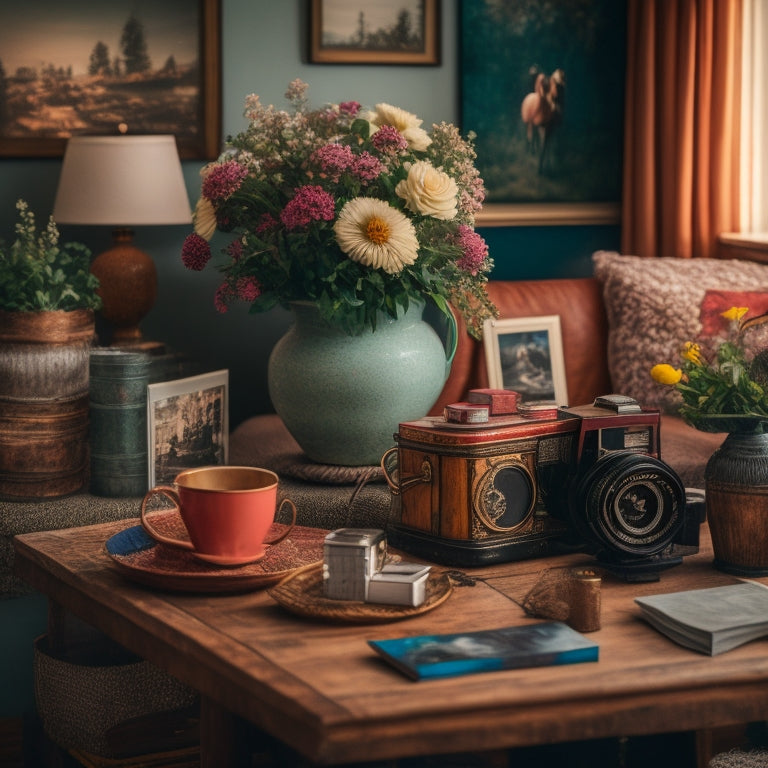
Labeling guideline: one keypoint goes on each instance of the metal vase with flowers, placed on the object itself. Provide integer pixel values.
(47, 329)
(729, 394)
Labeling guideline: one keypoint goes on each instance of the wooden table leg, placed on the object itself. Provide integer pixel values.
(222, 741)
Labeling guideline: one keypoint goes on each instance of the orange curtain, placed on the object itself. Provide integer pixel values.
(681, 147)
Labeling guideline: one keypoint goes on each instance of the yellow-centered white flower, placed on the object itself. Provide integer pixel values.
(405, 122)
(429, 191)
(372, 232)
(205, 218)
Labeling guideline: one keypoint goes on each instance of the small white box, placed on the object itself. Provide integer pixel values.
(399, 584)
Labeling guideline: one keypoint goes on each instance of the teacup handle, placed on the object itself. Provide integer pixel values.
(290, 527)
(171, 494)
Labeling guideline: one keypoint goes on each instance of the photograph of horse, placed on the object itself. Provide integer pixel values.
(519, 61)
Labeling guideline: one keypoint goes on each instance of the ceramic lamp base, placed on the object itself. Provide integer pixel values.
(128, 286)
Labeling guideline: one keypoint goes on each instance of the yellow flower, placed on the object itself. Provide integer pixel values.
(205, 218)
(372, 232)
(406, 123)
(429, 191)
(666, 374)
(692, 352)
(735, 313)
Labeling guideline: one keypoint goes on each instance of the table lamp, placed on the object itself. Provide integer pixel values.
(122, 182)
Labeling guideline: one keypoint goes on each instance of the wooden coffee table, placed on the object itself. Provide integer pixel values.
(317, 686)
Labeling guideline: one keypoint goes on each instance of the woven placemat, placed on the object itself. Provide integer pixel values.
(263, 441)
(301, 467)
(302, 593)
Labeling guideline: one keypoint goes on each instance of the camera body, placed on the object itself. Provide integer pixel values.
(590, 479)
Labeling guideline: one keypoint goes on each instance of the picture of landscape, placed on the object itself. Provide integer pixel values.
(80, 67)
(374, 32)
(358, 24)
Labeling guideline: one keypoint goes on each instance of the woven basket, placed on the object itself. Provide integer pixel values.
(78, 703)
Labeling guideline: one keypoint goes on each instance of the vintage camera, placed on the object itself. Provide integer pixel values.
(590, 479)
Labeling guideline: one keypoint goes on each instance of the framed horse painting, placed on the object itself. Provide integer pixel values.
(542, 86)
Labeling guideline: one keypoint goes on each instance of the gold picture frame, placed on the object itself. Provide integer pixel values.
(339, 36)
(548, 214)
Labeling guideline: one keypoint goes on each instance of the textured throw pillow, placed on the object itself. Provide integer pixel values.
(655, 305)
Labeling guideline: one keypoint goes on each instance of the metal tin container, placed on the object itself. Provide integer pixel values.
(118, 408)
(350, 558)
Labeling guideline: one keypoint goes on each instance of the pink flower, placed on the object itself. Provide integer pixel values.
(349, 107)
(367, 167)
(333, 160)
(223, 180)
(224, 294)
(248, 288)
(310, 203)
(267, 223)
(475, 249)
(195, 252)
(235, 249)
(388, 140)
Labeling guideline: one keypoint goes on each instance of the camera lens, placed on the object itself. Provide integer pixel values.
(629, 502)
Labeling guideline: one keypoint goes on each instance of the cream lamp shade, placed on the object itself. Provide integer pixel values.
(123, 182)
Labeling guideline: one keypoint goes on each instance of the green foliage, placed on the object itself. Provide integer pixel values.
(723, 387)
(37, 274)
(729, 384)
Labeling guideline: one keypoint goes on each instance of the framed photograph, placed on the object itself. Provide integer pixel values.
(525, 354)
(374, 32)
(187, 424)
(126, 66)
(542, 86)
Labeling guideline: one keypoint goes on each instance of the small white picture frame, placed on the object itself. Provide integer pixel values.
(187, 425)
(525, 354)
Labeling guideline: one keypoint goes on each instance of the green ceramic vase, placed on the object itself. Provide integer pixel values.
(342, 397)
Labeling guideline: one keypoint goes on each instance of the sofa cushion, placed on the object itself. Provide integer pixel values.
(655, 305)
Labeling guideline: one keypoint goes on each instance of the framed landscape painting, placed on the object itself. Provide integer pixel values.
(124, 66)
(374, 32)
(542, 86)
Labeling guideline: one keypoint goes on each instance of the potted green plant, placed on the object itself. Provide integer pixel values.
(47, 302)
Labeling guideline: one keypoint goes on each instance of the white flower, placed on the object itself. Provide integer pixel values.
(429, 191)
(372, 232)
(205, 218)
(405, 122)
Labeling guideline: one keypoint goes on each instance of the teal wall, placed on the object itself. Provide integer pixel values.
(263, 50)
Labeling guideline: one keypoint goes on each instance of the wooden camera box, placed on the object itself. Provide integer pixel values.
(467, 495)
(589, 478)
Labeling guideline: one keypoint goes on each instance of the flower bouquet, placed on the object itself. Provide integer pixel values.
(356, 211)
(727, 392)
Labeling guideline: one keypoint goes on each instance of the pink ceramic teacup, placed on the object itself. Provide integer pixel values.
(227, 512)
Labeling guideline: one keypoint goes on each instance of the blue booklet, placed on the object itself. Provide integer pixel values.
(533, 645)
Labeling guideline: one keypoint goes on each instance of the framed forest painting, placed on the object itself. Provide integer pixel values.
(104, 68)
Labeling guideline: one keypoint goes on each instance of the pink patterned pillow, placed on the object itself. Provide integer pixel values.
(654, 305)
